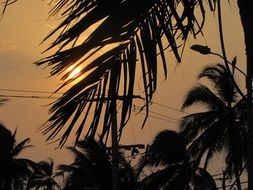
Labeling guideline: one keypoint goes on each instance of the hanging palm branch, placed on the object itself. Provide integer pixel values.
(137, 32)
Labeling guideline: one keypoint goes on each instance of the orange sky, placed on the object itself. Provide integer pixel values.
(25, 25)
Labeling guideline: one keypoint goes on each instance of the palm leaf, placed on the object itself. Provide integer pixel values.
(135, 33)
(202, 94)
(222, 81)
(21, 146)
(164, 178)
(193, 124)
(203, 180)
(211, 140)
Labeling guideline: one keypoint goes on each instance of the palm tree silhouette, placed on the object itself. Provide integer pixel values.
(91, 168)
(173, 169)
(222, 128)
(44, 177)
(137, 31)
(14, 171)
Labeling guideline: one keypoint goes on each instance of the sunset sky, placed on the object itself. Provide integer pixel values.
(22, 29)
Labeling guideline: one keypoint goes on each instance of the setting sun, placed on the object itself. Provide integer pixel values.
(74, 73)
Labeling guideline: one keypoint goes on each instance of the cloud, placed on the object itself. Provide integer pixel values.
(7, 45)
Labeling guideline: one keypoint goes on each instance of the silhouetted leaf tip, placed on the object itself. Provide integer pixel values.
(201, 49)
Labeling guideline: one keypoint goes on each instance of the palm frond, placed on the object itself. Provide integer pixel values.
(164, 178)
(212, 140)
(66, 167)
(21, 146)
(22, 167)
(219, 76)
(193, 124)
(43, 177)
(236, 149)
(46, 167)
(202, 94)
(203, 179)
(134, 34)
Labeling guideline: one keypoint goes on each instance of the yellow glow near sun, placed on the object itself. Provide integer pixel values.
(74, 73)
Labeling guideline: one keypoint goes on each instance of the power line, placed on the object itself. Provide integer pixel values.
(168, 107)
(157, 117)
(168, 117)
(26, 91)
(51, 92)
(29, 97)
(53, 97)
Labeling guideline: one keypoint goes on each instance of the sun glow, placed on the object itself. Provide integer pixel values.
(73, 72)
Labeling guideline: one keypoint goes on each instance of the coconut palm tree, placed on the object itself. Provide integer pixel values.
(91, 168)
(44, 177)
(173, 169)
(14, 171)
(222, 127)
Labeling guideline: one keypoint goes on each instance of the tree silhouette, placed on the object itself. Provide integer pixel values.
(92, 168)
(14, 171)
(43, 177)
(221, 128)
(173, 168)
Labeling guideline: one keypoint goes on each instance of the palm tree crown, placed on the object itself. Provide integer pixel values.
(14, 171)
(221, 128)
(44, 177)
(173, 169)
(92, 168)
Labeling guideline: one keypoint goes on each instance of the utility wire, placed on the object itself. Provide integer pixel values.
(29, 97)
(168, 107)
(33, 91)
(51, 92)
(168, 120)
(168, 117)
